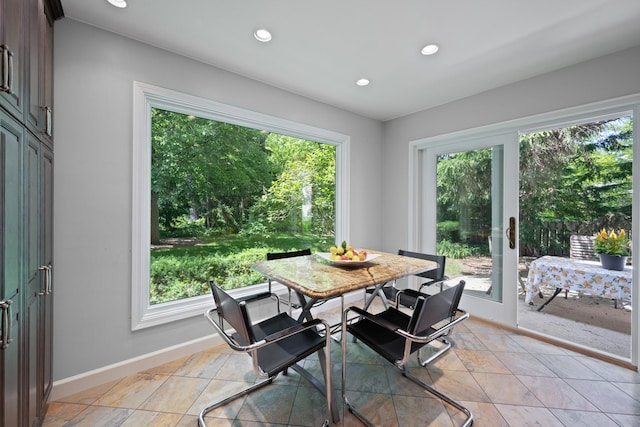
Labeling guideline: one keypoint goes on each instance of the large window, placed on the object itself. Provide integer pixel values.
(215, 189)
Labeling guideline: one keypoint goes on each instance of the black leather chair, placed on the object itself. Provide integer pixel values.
(274, 344)
(281, 255)
(395, 336)
(431, 277)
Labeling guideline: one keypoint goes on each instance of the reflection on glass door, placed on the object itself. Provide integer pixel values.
(469, 218)
(574, 181)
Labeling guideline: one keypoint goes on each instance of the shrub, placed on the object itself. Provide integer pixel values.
(175, 277)
(448, 230)
(456, 250)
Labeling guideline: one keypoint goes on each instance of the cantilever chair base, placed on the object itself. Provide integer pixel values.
(274, 344)
(300, 370)
(395, 335)
(441, 396)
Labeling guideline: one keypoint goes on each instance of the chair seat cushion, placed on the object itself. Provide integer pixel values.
(276, 357)
(391, 292)
(385, 342)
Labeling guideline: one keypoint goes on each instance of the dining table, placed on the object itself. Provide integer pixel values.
(316, 277)
(565, 274)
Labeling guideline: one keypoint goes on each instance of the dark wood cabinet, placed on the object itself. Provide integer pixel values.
(39, 109)
(11, 319)
(26, 214)
(12, 56)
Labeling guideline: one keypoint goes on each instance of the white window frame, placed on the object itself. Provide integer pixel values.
(146, 97)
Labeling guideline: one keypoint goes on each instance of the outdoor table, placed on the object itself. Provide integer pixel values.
(313, 278)
(577, 275)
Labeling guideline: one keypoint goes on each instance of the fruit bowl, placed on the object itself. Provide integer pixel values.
(346, 262)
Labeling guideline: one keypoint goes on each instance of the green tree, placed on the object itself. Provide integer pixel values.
(464, 192)
(579, 172)
(206, 169)
(304, 167)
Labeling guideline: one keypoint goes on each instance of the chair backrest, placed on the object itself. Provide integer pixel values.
(433, 309)
(290, 254)
(438, 273)
(233, 312)
(581, 247)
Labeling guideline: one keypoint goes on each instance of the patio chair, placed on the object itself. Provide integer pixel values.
(395, 336)
(407, 297)
(274, 344)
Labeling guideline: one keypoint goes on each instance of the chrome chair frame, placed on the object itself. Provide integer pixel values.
(414, 340)
(433, 277)
(235, 343)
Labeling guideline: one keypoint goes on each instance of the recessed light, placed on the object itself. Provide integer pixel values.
(430, 49)
(118, 3)
(262, 35)
(362, 82)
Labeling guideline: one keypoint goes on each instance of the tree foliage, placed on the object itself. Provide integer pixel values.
(303, 166)
(580, 173)
(231, 178)
(464, 193)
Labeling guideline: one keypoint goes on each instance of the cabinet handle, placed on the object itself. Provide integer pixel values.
(46, 288)
(48, 123)
(3, 330)
(10, 72)
(4, 84)
(49, 279)
(6, 323)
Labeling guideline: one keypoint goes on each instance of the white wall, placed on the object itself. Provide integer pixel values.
(604, 78)
(94, 74)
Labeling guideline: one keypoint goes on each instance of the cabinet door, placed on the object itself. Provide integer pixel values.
(47, 81)
(11, 135)
(35, 19)
(45, 334)
(12, 58)
(38, 186)
(36, 286)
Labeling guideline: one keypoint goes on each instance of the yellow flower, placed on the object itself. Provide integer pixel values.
(612, 243)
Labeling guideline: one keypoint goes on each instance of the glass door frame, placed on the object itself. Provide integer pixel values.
(422, 222)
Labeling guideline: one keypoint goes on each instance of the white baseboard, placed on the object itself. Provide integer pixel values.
(87, 380)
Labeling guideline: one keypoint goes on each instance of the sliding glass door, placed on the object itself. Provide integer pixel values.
(496, 201)
(575, 180)
(467, 220)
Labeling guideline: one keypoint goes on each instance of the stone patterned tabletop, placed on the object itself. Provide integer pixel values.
(319, 279)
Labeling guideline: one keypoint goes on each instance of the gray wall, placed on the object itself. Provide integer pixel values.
(94, 74)
(604, 78)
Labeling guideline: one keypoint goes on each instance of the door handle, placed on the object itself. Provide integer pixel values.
(511, 233)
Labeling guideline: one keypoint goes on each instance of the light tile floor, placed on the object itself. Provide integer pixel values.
(505, 379)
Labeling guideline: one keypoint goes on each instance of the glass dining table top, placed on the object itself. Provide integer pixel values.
(318, 278)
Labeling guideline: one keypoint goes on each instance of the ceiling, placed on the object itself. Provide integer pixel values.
(320, 48)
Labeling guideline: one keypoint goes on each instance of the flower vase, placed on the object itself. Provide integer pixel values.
(613, 262)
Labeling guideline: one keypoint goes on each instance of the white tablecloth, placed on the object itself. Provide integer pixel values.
(578, 275)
